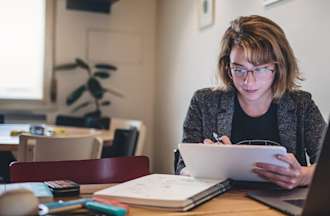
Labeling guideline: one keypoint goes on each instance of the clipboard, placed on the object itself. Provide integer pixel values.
(218, 161)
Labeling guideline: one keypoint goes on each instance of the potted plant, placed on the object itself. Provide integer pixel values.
(94, 87)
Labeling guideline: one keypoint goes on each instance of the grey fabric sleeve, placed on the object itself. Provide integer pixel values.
(313, 130)
(192, 127)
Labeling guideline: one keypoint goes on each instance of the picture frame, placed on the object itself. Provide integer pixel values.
(270, 2)
(206, 13)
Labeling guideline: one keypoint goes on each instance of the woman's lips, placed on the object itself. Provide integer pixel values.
(250, 91)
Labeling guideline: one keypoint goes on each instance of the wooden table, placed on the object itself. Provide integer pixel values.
(234, 202)
(10, 143)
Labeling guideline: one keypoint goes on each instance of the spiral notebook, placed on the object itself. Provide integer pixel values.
(168, 192)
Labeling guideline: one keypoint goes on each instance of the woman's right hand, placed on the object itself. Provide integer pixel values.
(224, 140)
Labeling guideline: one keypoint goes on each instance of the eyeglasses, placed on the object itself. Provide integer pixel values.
(260, 72)
(259, 142)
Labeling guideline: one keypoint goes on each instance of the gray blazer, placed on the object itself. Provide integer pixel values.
(300, 122)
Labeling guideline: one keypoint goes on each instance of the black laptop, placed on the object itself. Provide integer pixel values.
(314, 200)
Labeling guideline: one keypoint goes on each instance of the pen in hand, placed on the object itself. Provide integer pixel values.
(217, 138)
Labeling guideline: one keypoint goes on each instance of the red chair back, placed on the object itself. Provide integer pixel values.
(96, 171)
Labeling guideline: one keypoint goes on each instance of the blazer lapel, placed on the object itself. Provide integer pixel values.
(225, 113)
(287, 122)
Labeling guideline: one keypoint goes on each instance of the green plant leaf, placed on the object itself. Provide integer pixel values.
(67, 66)
(82, 105)
(81, 63)
(106, 103)
(95, 88)
(102, 74)
(75, 95)
(106, 66)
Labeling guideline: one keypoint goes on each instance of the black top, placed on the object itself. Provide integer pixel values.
(264, 127)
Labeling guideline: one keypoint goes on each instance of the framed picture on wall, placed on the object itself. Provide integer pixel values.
(206, 13)
(270, 2)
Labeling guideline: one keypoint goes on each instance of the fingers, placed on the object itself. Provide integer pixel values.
(185, 172)
(208, 141)
(282, 181)
(278, 170)
(288, 178)
(290, 159)
(273, 176)
(225, 139)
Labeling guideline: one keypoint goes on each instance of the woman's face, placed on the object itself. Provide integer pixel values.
(253, 82)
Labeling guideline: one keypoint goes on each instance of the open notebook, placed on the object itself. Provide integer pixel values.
(168, 192)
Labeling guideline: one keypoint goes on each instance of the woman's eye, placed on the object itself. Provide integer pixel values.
(262, 70)
(238, 70)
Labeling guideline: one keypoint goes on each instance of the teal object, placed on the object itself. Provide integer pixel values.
(64, 204)
(61, 206)
(105, 208)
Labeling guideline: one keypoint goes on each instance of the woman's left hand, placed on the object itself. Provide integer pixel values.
(289, 178)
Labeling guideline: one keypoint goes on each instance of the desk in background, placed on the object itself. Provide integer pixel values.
(10, 143)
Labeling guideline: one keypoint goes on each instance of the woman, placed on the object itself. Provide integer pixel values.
(260, 101)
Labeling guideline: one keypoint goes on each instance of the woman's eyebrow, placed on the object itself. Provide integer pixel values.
(237, 64)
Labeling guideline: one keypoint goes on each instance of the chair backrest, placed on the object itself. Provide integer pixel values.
(120, 123)
(70, 121)
(101, 123)
(48, 148)
(99, 171)
(123, 144)
(176, 158)
(2, 118)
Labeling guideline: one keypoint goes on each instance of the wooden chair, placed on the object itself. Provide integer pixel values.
(120, 123)
(52, 148)
(99, 171)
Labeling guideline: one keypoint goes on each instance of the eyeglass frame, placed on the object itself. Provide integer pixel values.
(253, 70)
(266, 142)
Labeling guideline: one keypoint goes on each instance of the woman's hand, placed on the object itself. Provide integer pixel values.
(185, 172)
(224, 140)
(289, 178)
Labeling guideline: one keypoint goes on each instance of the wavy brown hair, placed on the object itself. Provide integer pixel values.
(263, 41)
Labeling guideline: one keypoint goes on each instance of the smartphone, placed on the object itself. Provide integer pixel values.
(63, 187)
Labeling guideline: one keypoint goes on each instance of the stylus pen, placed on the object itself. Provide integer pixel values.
(217, 138)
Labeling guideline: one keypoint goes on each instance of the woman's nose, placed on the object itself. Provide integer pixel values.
(250, 78)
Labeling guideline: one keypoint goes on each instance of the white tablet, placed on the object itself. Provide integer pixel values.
(216, 161)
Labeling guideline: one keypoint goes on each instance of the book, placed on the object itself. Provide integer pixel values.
(163, 191)
(39, 189)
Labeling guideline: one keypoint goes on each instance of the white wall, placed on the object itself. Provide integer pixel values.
(125, 38)
(187, 57)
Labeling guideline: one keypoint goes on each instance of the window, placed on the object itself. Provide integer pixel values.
(26, 29)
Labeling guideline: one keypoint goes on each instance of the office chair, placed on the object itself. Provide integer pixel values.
(96, 171)
(70, 121)
(176, 158)
(2, 118)
(121, 123)
(123, 144)
(102, 123)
